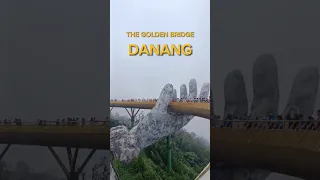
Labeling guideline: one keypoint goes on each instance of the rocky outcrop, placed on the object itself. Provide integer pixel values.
(303, 92)
(235, 94)
(265, 86)
(123, 144)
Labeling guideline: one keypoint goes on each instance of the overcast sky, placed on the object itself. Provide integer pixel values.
(287, 29)
(144, 77)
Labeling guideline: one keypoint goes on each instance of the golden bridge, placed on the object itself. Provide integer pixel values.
(92, 135)
(201, 109)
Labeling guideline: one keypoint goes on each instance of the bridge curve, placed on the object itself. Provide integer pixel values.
(93, 137)
(275, 146)
(69, 134)
(72, 134)
(201, 109)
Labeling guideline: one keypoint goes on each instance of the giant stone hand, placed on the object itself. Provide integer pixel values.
(266, 90)
(266, 99)
(157, 124)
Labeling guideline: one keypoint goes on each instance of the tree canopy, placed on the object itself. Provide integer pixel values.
(190, 154)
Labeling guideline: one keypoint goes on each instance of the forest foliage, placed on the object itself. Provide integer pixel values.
(190, 154)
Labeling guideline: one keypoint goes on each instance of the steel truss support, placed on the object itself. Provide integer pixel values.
(132, 115)
(74, 172)
(4, 151)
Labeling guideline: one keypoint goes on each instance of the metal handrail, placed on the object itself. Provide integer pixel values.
(54, 123)
(296, 133)
(313, 125)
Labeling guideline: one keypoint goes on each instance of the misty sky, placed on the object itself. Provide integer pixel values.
(56, 61)
(144, 77)
(287, 29)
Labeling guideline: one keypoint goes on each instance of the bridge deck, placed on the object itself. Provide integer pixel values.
(96, 137)
(201, 109)
(293, 152)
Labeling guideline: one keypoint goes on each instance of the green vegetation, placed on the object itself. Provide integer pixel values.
(190, 154)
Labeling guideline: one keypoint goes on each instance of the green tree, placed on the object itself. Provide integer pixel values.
(190, 154)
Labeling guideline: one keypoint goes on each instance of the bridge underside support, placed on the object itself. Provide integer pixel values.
(132, 115)
(111, 109)
(74, 172)
(4, 151)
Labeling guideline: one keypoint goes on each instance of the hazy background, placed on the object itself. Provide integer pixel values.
(287, 29)
(243, 30)
(53, 63)
(144, 77)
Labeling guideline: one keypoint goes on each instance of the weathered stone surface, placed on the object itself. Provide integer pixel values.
(123, 144)
(265, 86)
(193, 89)
(303, 92)
(157, 124)
(183, 91)
(235, 94)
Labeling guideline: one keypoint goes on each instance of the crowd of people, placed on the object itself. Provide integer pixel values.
(292, 121)
(69, 121)
(271, 116)
(205, 100)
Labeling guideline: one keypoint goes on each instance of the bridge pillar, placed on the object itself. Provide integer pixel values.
(132, 115)
(73, 173)
(169, 147)
(4, 151)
